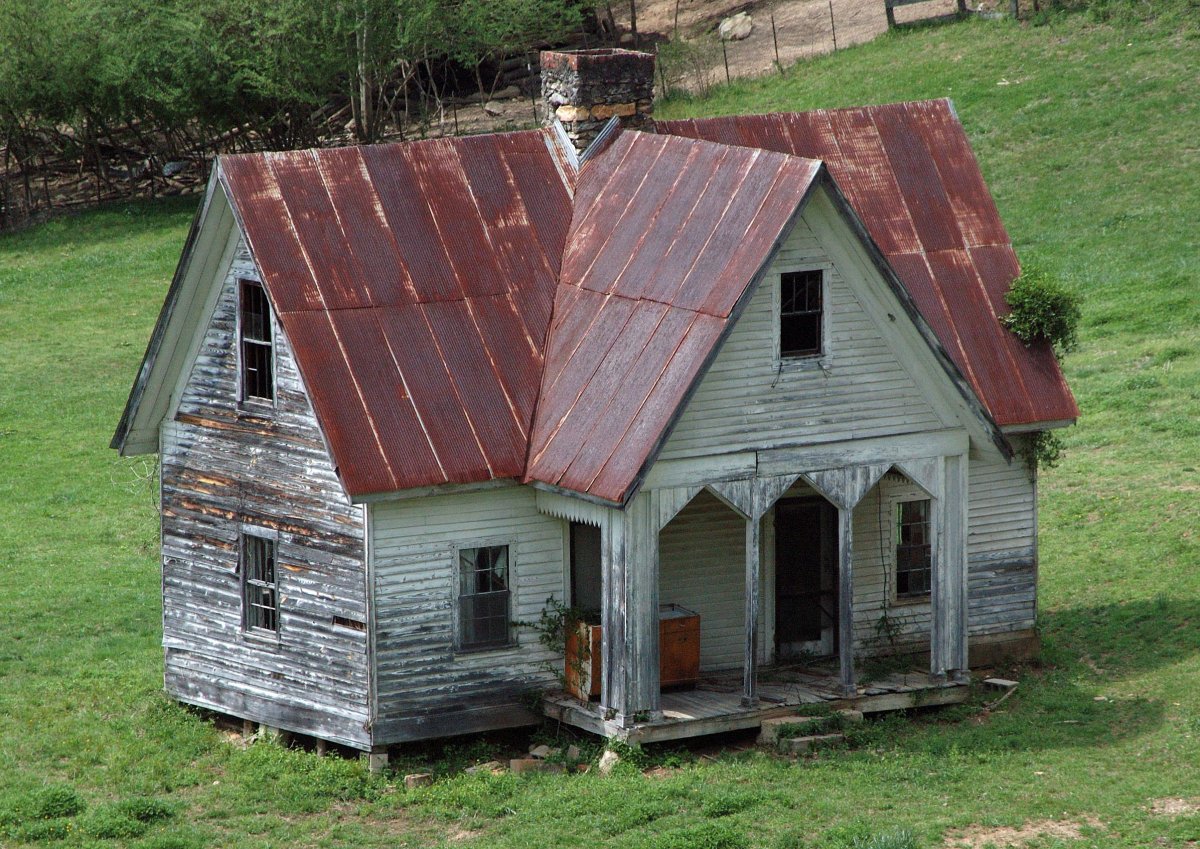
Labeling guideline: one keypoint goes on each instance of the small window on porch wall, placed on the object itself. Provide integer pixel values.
(483, 597)
(914, 553)
(256, 347)
(801, 318)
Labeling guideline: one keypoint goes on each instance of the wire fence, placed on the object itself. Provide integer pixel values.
(50, 170)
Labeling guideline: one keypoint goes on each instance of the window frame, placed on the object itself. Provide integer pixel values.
(897, 514)
(248, 585)
(245, 400)
(511, 637)
(820, 359)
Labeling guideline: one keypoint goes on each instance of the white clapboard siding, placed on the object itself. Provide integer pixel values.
(746, 402)
(1002, 545)
(702, 555)
(418, 673)
(874, 571)
(220, 470)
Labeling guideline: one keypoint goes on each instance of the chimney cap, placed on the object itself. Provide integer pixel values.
(595, 57)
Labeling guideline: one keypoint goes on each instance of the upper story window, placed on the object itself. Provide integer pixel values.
(801, 313)
(914, 552)
(260, 583)
(483, 597)
(256, 348)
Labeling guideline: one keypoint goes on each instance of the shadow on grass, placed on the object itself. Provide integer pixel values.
(1121, 638)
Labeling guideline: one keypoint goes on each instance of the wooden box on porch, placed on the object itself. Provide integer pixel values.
(678, 652)
(678, 646)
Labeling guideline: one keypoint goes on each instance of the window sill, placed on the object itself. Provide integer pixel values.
(912, 601)
(800, 365)
(471, 651)
(263, 639)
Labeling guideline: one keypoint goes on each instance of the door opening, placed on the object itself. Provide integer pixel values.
(806, 555)
(585, 567)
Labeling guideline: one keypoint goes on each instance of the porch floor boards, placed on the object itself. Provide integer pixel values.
(715, 705)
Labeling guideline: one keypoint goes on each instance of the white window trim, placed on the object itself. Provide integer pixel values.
(248, 633)
(254, 404)
(514, 639)
(822, 360)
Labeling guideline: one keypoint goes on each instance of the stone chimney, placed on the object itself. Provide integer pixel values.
(585, 88)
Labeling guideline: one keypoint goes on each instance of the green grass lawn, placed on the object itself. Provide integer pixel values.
(1090, 138)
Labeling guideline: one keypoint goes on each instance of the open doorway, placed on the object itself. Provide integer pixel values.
(585, 568)
(806, 581)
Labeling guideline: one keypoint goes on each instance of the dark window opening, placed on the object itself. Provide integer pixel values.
(800, 313)
(259, 584)
(914, 560)
(258, 379)
(347, 622)
(483, 597)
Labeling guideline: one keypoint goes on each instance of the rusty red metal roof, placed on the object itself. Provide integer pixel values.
(473, 309)
(415, 284)
(908, 171)
(666, 237)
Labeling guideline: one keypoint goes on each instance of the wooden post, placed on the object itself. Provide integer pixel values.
(629, 600)
(956, 565)
(891, 14)
(939, 583)
(725, 55)
(775, 39)
(1014, 7)
(753, 571)
(846, 599)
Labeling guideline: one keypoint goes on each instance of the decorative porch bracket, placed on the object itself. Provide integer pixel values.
(844, 488)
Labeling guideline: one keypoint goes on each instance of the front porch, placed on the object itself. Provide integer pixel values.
(716, 705)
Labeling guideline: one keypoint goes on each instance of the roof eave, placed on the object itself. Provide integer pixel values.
(738, 308)
(138, 390)
(983, 418)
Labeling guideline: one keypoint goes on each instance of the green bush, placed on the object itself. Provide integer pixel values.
(902, 839)
(109, 822)
(1043, 309)
(40, 830)
(55, 802)
(145, 810)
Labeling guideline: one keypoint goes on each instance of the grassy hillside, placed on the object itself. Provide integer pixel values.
(1087, 134)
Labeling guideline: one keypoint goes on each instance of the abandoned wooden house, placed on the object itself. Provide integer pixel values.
(745, 373)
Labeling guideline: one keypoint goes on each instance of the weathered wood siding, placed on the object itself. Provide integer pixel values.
(222, 468)
(874, 571)
(747, 401)
(423, 686)
(1001, 545)
(702, 563)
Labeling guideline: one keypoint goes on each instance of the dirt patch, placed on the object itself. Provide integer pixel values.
(802, 28)
(984, 837)
(1175, 807)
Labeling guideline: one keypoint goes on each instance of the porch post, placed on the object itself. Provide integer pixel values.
(846, 599)
(629, 615)
(939, 595)
(753, 571)
(954, 565)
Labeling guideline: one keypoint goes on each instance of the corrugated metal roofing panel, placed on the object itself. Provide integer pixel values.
(617, 334)
(359, 457)
(415, 283)
(531, 321)
(909, 173)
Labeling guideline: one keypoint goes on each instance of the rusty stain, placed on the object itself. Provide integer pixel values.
(480, 308)
(909, 172)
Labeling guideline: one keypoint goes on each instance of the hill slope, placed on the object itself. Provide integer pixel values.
(1087, 134)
